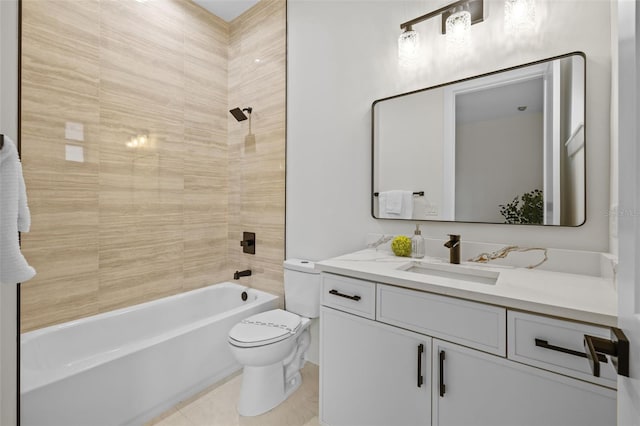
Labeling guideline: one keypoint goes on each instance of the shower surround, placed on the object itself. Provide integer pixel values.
(140, 182)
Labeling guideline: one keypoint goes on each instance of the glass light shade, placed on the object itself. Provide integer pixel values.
(408, 43)
(458, 27)
(519, 15)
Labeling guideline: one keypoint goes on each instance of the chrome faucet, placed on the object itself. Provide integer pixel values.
(238, 274)
(454, 248)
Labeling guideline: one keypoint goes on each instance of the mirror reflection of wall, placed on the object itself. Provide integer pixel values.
(506, 147)
(415, 125)
(572, 165)
(497, 137)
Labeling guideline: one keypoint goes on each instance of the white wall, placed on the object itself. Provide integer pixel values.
(9, 68)
(342, 55)
(614, 186)
(8, 126)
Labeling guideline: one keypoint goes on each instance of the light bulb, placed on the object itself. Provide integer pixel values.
(408, 43)
(458, 26)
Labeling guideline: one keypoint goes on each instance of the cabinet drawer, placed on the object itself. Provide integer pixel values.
(471, 324)
(349, 294)
(540, 341)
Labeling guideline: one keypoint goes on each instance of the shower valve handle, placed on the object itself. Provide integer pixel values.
(248, 242)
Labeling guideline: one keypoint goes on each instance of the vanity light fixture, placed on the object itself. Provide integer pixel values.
(456, 18)
(519, 15)
(408, 44)
(458, 25)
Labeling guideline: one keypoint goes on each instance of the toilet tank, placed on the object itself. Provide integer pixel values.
(301, 288)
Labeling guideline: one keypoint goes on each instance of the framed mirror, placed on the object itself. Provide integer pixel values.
(503, 147)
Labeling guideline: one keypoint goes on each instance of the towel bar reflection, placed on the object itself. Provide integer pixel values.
(417, 194)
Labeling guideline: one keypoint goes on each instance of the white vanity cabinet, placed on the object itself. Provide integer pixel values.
(370, 373)
(472, 324)
(480, 363)
(474, 388)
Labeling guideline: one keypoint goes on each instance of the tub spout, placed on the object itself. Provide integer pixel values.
(238, 274)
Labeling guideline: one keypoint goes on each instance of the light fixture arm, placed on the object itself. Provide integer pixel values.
(476, 8)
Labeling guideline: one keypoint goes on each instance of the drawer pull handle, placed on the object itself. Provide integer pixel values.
(337, 293)
(442, 386)
(420, 351)
(544, 344)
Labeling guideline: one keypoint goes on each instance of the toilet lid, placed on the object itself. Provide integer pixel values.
(265, 328)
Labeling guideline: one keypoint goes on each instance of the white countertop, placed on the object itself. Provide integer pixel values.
(566, 295)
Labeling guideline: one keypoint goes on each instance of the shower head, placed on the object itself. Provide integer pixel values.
(239, 115)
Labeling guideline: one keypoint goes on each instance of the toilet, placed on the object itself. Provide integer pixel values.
(271, 345)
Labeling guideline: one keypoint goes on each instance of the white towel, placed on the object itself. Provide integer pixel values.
(14, 217)
(388, 204)
(394, 200)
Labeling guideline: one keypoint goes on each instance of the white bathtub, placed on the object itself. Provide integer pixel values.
(127, 366)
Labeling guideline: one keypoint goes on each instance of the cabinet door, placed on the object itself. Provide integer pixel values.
(474, 388)
(369, 373)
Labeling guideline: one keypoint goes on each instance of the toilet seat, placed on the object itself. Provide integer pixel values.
(264, 328)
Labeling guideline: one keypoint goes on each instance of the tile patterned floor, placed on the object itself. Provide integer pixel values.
(216, 406)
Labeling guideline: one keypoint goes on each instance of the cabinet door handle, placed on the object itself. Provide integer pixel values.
(617, 347)
(337, 293)
(442, 386)
(420, 352)
(544, 344)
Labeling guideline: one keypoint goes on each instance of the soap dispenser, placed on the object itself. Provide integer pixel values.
(417, 244)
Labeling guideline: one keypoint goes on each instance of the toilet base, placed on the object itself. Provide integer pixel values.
(264, 388)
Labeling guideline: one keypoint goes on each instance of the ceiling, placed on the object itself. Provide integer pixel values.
(226, 9)
(501, 101)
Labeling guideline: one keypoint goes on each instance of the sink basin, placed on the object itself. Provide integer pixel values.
(455, 272)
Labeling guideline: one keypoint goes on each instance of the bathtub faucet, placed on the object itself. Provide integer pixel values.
(238, 274)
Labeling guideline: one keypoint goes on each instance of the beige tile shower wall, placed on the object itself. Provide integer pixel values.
(257, 74)
(127, 224)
